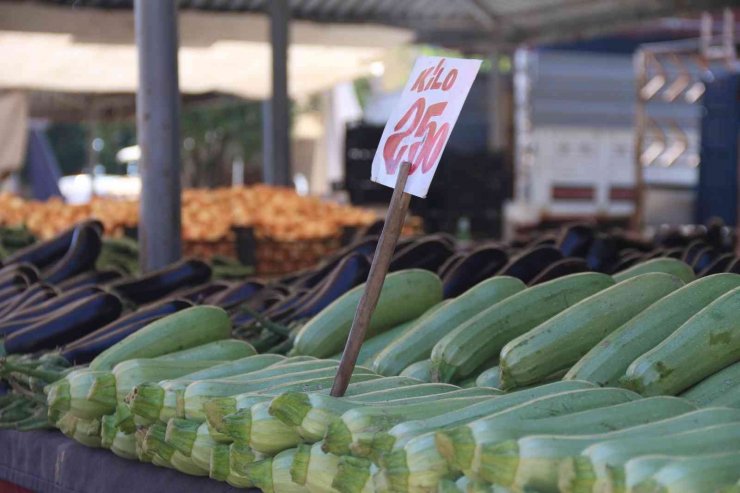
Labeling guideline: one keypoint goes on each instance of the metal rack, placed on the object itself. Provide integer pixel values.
(668, 74)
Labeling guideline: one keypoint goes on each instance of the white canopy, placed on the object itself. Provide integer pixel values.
(50, 48)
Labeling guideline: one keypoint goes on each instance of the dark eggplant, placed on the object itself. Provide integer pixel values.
(95, 342)
(603, 255)
(158, 284)
(287, 305)
(66, 324)
(97, 278)
(693, 250)
(565, 267)
(83, 353)
(670, 237)
(44, 253)
(236, 295)
(478, 265)
(653, 254)
(704, 259)
(365, 246)
(450, 263)
(53, 304)
(628, 261)
(547, 239)
(374, 229)
(10, 292)
(199, 294)
(529, 263)
(28, 270)
(38, 293)
(17, 280)
(259, 303)
(81, 256)
(7, 328)
(350, 272)
(427, 253)
(676, 253)
(575, 240)
(734, 267)
(720, 264)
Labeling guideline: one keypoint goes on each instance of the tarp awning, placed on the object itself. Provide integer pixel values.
(57, 49)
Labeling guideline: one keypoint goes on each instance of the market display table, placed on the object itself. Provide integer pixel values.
(49, 462)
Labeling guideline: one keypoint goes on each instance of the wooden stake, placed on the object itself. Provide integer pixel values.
(383, 253)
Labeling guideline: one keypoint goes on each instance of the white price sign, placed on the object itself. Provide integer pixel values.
(421, 124)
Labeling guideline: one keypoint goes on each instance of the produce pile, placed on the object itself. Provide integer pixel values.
(207, 214)
(583, 361)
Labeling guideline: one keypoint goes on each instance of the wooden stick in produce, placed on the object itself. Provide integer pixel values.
(383, 253)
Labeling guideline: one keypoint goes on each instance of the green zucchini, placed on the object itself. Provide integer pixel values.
(467, 348)
(603, 463)
(664, 264)
(706, 343)
(460, 444)
(198, 393)
(561, 341)
(549, 462)
(692, 474)
(417, 342)
(405, 296)
(421, 370)
(400, 434)
(372, 346)
(227, 350)
(311, 413)
(353, 433)
(719, 389)
(413, 468)
(182, 330)
(607, 362)
(638, 469)
(152, 401)
(492, 378)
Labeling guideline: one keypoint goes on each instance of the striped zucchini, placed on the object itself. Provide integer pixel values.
(706, 343)
(470, 346)
(405, 296)
(354, 431)
(561, 341)
(665, 265)
(638, 469)
(311, 414)
(198, 393)
(417, 342)
(182, 330)
(607, 362)
(419, 465)
(694, 474)
(719, 389)
(492, 378)
(461, 444)
(603, 463)
(219, 407)
(421, 370)
(371, 347)
(159, 401)
(227, 349)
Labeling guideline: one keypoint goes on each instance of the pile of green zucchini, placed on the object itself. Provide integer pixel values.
(589, 362)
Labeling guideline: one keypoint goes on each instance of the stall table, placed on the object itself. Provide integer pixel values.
(49, 462)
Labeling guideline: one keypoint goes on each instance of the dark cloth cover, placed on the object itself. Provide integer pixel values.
(49, 462)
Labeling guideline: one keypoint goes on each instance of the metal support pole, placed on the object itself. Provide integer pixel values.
(157, 115)
(277, 144)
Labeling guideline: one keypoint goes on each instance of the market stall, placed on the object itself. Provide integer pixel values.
(578, 358)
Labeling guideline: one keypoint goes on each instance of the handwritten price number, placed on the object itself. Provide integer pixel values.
(419, 122)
